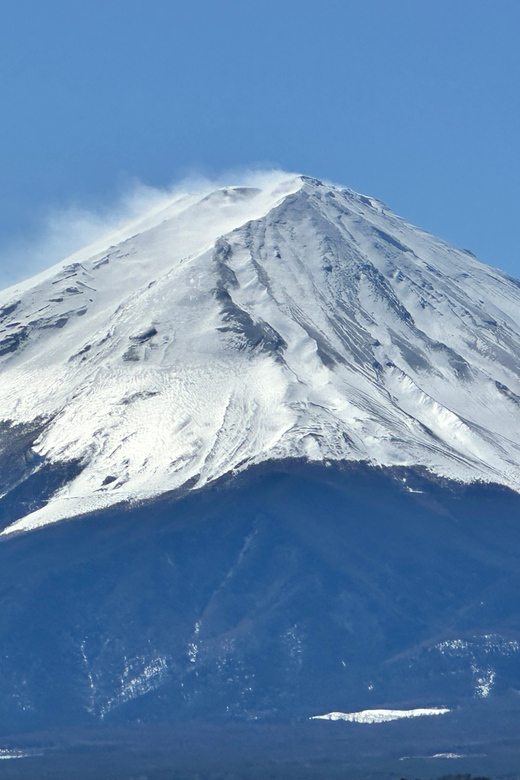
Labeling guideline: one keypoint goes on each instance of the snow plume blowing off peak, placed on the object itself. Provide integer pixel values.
(231, 325)
(61, 231)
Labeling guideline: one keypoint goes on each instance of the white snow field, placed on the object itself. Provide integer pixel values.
(381, 716)
(244, 325)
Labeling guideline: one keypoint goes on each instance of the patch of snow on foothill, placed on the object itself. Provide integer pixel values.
(380, 716)
(437, 755)
(448, 755)
(6, 755)
(243, 324)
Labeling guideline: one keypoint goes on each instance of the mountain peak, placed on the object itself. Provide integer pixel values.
(246, 324)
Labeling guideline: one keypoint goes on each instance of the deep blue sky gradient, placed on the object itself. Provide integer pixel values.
(414, 102)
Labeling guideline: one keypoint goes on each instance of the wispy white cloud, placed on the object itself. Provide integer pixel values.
(59, 232)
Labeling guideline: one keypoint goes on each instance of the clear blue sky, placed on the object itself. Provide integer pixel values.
(416, 102)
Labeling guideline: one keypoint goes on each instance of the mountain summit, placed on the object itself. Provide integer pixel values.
(244, 325)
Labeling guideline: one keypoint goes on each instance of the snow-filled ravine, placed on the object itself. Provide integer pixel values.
(245, 324)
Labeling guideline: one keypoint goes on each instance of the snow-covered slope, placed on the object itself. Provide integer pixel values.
(248, 324)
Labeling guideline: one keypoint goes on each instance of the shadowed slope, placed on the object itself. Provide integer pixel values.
(287, 593)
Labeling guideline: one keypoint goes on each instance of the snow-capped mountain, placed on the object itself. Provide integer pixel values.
(277, 345)
(244, 325)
